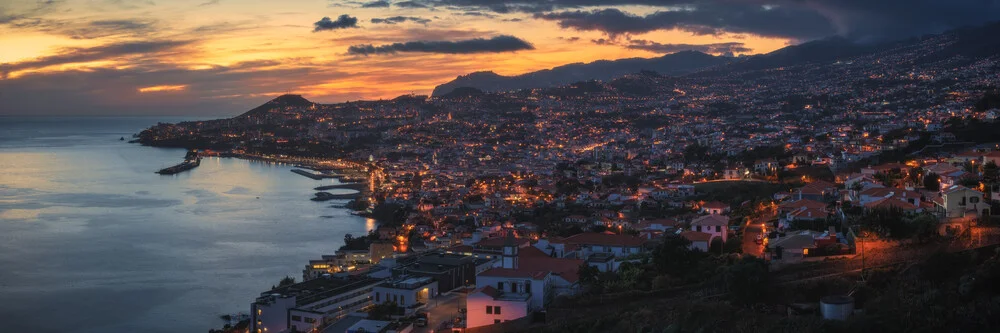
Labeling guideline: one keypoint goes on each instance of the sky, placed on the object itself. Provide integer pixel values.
(223, 57)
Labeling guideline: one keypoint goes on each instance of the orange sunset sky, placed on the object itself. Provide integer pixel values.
(220, 57)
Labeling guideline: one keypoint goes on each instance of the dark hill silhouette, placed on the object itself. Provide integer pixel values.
(463, 92)
(671, 64)
(278, 102)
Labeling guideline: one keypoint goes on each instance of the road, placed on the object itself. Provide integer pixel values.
(750, 246)
(443, 308)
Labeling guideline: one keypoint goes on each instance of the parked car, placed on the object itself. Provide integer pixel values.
(421, 322)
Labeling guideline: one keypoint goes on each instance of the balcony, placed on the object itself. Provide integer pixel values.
(514, 297)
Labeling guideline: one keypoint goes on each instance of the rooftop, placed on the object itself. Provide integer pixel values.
(315, 290)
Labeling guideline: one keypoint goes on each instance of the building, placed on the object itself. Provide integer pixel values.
(588, 243)
(409, 293)
(449, 270)
(958, 201)
(716, 225)
(715, 207)
(379, 326)
(699, 240)
(347, 260)
(310, 304)
(526, 282)
(488, 306)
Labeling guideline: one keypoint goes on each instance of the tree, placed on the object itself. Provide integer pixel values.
(924, 226)
(383, 311)
(588, 274)
(932, 182)
(991, 173)
(734, 245)
(286, 281)
(675, 257)
(746, 280)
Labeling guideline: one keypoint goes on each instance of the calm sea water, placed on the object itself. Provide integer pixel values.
(91, 240)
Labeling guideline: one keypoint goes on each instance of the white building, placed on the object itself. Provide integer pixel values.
(311, 304)
(526, 281)
(716, 225)
(408, 292)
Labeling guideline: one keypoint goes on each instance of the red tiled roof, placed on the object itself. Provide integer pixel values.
(715, 204)
(941, 168)
(822, 184)
(535, 264)
(603, 239)
(809, 213)
(499, 242)
(531, 251)
(810, 189)
(696, 236)
(889, 166)
(802, 203)
(521, 272)
(889, 202)
(711, 220)
(489, 291)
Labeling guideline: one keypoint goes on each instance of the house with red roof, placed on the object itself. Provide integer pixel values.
(716, 225)
(591, 242)
(715, 207)
(699, 240)
(817, 190)
(526, 281)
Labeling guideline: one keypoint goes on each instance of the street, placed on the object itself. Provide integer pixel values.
(750, 245)
(443, 308)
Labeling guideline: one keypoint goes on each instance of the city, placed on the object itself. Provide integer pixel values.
(494, 166)
(498, 211)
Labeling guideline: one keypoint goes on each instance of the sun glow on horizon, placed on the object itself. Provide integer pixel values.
(163, 88)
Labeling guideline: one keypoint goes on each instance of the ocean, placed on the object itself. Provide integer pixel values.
(92, 240)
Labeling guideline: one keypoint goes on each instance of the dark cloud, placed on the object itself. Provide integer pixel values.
(732, 18)
(400, 19)
(410, 4)
(478, 14)
(209, 3)
(796, 19)
(570, 39)
(502, 43)
(87, 30)
(104, 52)
(717, 48)
(216, 90)
(375, 4)
(8, 17)
(343, 22)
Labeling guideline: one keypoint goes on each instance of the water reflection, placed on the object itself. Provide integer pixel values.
(86, 219)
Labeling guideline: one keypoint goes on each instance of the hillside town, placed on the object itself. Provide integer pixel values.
(494, 209)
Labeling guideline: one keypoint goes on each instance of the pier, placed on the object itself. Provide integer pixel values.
(324, 196)
(191, 161)
(353, 186)
(316, 176)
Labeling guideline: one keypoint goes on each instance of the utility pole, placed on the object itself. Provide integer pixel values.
(862, 258)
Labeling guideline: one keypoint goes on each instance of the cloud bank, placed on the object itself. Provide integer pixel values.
(502, 43)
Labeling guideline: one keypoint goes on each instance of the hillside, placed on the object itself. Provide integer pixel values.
(671, 64)
(287, 100)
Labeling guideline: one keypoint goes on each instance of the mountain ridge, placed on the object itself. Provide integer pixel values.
(671, 64)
